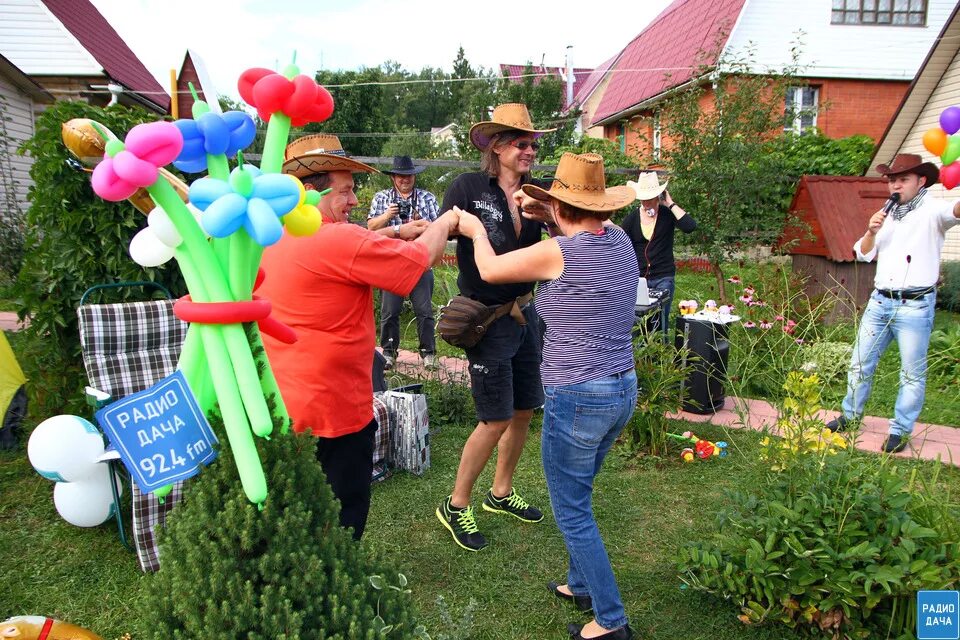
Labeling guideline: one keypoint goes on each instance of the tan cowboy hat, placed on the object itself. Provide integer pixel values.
(319, 153)
(511, 116)
(580, 182)
(647, 186)
(911, 163)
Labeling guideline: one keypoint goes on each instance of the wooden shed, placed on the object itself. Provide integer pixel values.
(832, 214)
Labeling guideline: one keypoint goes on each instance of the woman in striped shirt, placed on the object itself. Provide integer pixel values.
(587, 302)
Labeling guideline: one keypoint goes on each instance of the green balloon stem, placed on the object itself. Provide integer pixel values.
(218, 167)
(278, 131)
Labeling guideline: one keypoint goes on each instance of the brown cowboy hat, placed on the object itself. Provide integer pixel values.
(319, 153)
(580, 182)
(911, 163)
(506, 117)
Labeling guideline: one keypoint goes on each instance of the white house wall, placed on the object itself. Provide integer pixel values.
(830, 50)
(16, 109)
(947, 93)
(34, 40)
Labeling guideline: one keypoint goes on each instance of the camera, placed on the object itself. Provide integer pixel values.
(403, 209)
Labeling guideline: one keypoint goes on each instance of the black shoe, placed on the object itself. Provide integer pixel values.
(583, 603)
(461, 525)
(840, 423)
(623, 633)
(894, 444)
(513, 505)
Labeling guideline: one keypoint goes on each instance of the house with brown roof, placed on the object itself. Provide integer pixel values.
(857, 58)
(71, 50)
(936, 87)
(194, 72)
(518, 74)
(828, 215)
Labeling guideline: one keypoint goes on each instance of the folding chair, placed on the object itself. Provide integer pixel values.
(128, 347)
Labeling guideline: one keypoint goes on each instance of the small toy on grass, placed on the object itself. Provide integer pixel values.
(702, 449)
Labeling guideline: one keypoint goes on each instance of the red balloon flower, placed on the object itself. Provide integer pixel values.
(300, 99)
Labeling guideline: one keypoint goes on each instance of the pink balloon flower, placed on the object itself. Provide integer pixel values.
(136, 162)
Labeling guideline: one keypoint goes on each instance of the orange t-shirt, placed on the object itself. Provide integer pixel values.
(322, 287)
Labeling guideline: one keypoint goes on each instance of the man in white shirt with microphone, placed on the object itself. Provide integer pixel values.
(906, 237)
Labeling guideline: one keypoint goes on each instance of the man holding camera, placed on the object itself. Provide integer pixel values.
(906, 237)
(391, 208)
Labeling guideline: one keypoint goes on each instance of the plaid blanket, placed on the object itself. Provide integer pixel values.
(126, 348)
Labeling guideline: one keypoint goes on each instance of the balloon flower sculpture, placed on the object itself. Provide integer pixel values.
(240, 212)
(944, 141)
(701, 449)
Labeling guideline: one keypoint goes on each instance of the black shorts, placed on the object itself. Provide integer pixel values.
(505, 368)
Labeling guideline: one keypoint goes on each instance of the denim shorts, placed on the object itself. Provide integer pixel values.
(505, 368)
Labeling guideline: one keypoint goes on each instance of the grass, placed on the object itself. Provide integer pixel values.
(647, 508)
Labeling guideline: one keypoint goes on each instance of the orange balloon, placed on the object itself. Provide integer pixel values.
(935, 141)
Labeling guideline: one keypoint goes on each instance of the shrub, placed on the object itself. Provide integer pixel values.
(829, 359)
(944, 353)
(73, 240)
(661, 369)
(949, 295)
(288, 571)
(837, 545)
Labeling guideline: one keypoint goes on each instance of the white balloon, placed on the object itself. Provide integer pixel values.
(89, 502)
(147, 250)
(65, 448)
(162, 227)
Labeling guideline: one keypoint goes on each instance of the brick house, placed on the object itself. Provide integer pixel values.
(857, 60)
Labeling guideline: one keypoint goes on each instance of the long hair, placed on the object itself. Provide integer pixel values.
(490, 161)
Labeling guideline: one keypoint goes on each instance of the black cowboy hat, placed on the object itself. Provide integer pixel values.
(403, 166)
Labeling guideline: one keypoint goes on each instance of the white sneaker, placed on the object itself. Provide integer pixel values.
(389, 361)
(430, 361)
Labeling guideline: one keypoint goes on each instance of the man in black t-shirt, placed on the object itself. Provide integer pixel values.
(505, 364)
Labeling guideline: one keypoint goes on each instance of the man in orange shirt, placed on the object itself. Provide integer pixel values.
(322, 287)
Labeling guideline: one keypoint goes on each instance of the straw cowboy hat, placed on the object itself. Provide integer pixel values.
(319, 153)
(506, 117)
(911, 163)
(580, 182)
(403, 166)
(647, 186)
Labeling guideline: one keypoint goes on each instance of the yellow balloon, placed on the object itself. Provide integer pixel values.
(935, 141)
(305, 220)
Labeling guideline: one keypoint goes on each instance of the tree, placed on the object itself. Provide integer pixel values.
(718, 134)
(360, 107)
(288, 571)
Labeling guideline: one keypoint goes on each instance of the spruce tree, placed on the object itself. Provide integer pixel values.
(229, 570)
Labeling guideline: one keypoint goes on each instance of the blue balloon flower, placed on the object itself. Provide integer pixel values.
(253, 200)
(213, 134)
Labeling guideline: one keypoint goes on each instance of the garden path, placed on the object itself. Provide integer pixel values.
(929, 442)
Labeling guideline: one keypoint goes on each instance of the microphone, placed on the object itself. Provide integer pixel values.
(892, 202)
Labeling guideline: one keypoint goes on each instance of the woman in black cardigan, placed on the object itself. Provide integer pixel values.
(651, 229)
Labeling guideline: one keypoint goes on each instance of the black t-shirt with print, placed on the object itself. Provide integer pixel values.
(479, 194)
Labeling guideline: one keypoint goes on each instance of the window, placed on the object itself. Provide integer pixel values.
(801, 109)
(656, 136)
(897, 13)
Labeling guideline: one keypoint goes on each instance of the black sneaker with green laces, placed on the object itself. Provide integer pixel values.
(462, 526)
(513, 505)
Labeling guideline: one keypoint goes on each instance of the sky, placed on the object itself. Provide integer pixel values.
(231, 36)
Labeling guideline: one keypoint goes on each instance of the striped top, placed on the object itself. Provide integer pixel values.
(589, 310)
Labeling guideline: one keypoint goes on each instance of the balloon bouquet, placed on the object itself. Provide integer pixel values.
(217, 235)
(944, 141)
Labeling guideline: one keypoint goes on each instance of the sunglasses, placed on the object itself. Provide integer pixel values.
(523, 145)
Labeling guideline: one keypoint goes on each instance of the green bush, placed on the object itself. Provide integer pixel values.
(288, 571)
(74, 239)
(836, 543)
(949, 295)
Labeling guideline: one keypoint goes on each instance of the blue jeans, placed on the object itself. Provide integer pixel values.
(910, 322)
(580, 424)
(670, 284)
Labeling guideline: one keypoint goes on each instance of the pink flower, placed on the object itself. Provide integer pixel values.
(788, 329)
(749, 291)
(749, 324)
(791, 323)
(779, 318)
(734, 279)
(799, 340)
(135, 163)
(765, 325)
(746, 299)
